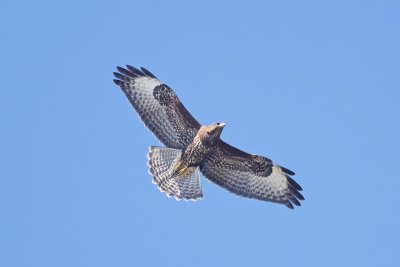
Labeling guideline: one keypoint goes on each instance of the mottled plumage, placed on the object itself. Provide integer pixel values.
(192, 148)
(158, 107)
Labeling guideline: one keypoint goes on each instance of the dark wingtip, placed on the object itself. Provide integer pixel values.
(128, 73)
(115, 74)
(148, 73)
(293, 183)
(296, 193)
(121, 76)
(135, 70)
(295, 201)
(287, 171)
(121, 69)
(118, 82)
(289, 205)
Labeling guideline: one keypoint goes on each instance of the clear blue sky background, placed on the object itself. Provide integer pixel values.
(314, 85)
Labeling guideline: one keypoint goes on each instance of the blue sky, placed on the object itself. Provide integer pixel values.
(313, 85)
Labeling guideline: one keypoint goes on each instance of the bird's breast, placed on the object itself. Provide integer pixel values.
(195, 153)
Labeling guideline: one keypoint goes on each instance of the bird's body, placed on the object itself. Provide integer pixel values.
(192, 148)
(202, 145)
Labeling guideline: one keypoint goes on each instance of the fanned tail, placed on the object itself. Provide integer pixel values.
(161, 162)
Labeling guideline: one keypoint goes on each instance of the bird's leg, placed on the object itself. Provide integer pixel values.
(184, 165)
(180, 169)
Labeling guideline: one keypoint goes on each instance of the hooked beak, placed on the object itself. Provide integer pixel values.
(222, 125)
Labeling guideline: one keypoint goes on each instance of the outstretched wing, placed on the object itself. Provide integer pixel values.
(158, 106)
(251, 176)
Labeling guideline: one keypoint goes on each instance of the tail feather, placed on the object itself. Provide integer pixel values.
(160, 161)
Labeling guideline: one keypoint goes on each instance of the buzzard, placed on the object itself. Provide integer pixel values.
(192, 148)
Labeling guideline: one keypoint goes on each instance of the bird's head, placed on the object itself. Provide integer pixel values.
(212, 132)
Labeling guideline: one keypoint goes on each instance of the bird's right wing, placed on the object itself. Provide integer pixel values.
(251, 176)
(158, 106)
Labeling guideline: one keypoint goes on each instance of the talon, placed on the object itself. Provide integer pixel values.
(183, 171)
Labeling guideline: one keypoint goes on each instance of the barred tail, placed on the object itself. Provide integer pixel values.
(160, 161)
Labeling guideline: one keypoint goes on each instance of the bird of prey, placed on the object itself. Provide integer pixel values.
(192, 148)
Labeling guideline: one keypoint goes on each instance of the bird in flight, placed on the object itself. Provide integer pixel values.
(192, 148)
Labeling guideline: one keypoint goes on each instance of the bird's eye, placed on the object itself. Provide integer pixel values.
(217, 123)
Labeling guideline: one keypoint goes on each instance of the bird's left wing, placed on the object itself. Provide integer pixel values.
(251, 176)
(158, 106)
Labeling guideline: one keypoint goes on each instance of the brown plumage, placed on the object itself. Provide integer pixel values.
(192, 148)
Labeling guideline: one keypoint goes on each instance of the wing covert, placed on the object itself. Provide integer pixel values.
(158, 106)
